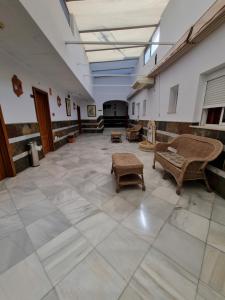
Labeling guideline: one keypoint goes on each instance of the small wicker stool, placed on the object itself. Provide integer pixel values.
(116, 137)
(128, 170)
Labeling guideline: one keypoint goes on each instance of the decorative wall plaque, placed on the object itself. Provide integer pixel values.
(68, 107)
(17, 86)
(59, 101)
(91, 110)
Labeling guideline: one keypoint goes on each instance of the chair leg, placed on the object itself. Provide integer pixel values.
(207, 183)
(117, 184)
(153, 166)
(165, 175)
(178, 190)
(143, 182)
(112, 169)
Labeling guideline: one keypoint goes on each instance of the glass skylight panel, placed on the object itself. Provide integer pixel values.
(117, 17)
(98, 14)
(135, 35)
(111, 55)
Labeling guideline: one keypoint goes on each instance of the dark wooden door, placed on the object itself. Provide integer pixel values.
(3, 173)
(7, 167)
(79, 119)
(44, 119)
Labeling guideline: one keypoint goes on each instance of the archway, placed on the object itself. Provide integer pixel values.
(115, 113)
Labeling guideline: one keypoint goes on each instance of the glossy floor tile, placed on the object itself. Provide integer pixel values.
(65, 233)
(26, 280)
(218, 212)
(45, 229)
(118, 208)
(15, 247)
(190, 223)
(167, 194)
(97, 227)
(185, 250)
(124, 250)
(9, 224)
(206, 293)
(213, 270)
(159, 277)
(93, 279)
(143, 223)
(63, 253)
(216, 236)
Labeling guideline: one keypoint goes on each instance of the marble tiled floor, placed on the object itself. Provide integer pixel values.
(65, 234)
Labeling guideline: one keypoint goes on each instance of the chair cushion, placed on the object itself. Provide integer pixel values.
(174, 158)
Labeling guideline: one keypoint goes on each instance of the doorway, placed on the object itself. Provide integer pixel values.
(7, 168)
(44, 119)
(79, 119)
(115, 113)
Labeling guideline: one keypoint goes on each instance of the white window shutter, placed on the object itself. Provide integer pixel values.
(215, 93)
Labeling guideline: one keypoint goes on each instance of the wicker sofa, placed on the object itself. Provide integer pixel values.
(186, 157)
(133, 134)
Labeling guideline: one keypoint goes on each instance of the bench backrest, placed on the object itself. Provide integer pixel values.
(189, 146)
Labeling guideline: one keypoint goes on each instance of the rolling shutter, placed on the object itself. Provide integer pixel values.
(215, 93)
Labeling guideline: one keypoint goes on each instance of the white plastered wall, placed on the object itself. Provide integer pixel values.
(49, 16)
(186, 72)
(21, 109)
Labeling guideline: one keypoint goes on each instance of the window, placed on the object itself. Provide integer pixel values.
(152, 48)
(213, 115)
(214, 103)
(65, 10)
(155, 39)
(138, 111)
(133, 108)
(144, 107)
(173, 99)
(147, 54)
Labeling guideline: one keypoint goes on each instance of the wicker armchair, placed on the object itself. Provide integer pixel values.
(133, 134)
(186, 157)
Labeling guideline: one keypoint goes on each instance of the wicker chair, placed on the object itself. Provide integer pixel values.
(186, 157)
(133, 134)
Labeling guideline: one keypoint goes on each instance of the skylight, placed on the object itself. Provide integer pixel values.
(114, 21)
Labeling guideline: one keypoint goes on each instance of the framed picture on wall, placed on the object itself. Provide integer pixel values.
(68, 107)
(91, 110)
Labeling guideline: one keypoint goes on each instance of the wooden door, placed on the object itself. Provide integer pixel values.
(79, 119)
(44, 119)
(7, 168)
(3, 173)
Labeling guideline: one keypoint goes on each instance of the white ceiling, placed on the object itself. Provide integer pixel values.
(120, 15)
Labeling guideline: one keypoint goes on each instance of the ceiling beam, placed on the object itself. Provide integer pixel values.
(115, 48)
(113, 61)
(113, 69)
(133, 43)
(118, 28)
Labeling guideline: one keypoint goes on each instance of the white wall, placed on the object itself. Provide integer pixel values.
(177, 18)
(110, 88)
(21, 109)
(186, 72)
(50, 18)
